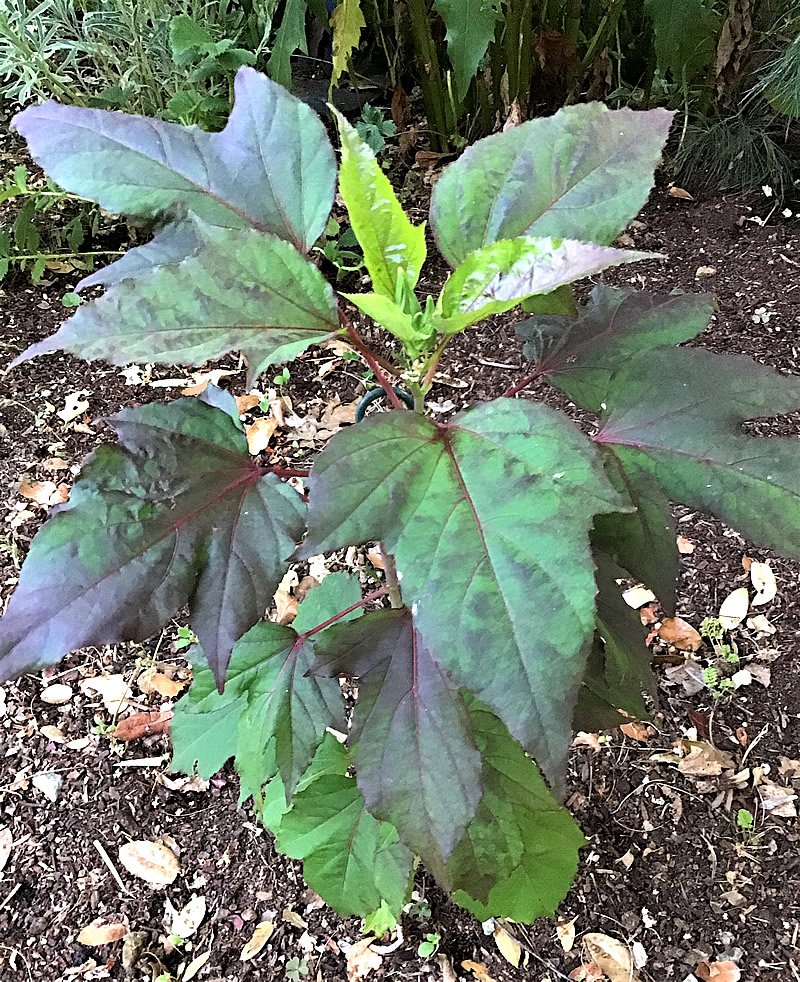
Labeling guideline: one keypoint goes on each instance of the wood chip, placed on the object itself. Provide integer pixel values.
(100, 932)
(153, 862)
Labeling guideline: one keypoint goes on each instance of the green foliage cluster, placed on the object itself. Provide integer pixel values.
(505, 529)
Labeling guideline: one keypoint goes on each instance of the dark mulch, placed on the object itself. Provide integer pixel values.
(666, 865)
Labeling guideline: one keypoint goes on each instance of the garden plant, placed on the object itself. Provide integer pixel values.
(505, 529)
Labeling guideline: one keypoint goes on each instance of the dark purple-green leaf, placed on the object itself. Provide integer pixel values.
(488, 517)
(677, 414)
(581, 174)
(415, 757)
(177, 513)
(580, 354)
(271, 168)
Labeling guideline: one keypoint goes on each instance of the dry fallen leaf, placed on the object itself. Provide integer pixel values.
(202, 380)
(636, 731)
(162, 684)
(362, 959)
(260, 433)
(141, 725)
(638, 596)
(566, 933)
(734, 608)
(39, 491)
(261, 936)
(56, 694)
(763, 580)
(74, 406)
(611, 956)
(509, 947)
(718, 972)
(293, 918)
(704, 759)
(583, 739)
(194, 966)
(676, 192)
(55, 464)
(685, 546)
(285, 606)
(184, 783)
(479, 970)
(680, 633)
(705, 271)
(99, 932)
(761, 625)
(778, 800)
(245, 403)
(6, 842)
(185, 922)
(53, 733)
(112, 688)
(153, 862)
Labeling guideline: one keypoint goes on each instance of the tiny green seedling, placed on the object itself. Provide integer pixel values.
(283, 378)
(186, 637)
(744, 819)
(725, 655)
(429, 946)
(295, 969)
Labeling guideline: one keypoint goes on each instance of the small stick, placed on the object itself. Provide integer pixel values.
(392, 579)
(9, 897)
(107, 860)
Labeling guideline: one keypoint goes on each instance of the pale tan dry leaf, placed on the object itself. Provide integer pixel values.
(304, 587)
(260, 433)
(703, 759)
(611, 956)
(165, 686)
(101, 932)
(362, 959)
(588, 972)
(53, 733)
(61, 495)
(376, 559)
(153, 862)
(141, 725)
(194, 966)
(202, 380)
(82, 428)
(747, 562)
(680, 633)
(627, 860)
(113, 689)
(293, 918)
(6, 843)
(685, 546)
(718, 972)
(763, 579)
(705, 271)
(566, 933)
(55, 464)
(285, 607)
(734, 608)
(448, 973)
(778, 800)
(583, 739)
(479, 970)
(636, 731)
(39, 491)
(789, 766)
(261, 935)
(185, 922)
(74, 406)
(638, 596)
(507, 945)
(56, 694)
(245, 403)
(676, 192)
(184, 783)
(761, 625)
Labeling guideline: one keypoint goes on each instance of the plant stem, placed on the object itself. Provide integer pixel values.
(375, 364)
(343, 613)
(433, 92)
(427, 381)
(519, 386)
(392, 579)
(69, 255)
(289, 471)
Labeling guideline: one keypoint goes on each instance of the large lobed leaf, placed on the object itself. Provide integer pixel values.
(470, 27)
(488, 517)
(415, 757)
(240, 290)
(676, 414)
(177, 513)
(581, 174)
(271, 168)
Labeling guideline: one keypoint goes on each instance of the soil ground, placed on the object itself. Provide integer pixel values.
(667, 869)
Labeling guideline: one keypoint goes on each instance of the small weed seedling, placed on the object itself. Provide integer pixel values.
(295, 969)
(374, 128)
(429, 946)
(498, 628)
(726, 654)
(186, 638)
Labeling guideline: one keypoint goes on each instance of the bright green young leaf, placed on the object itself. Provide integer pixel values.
(581, 174)
(580, 354)
(498, 276)
(686, 33)
(350, 858)
(389, 241)
(347, 22)
(520, 853)
(291, 36)
(188, 38)
(677, 414)
(488, 517)
(240, 291)
(176, 513)
(415, 757)
(271, 168)
(386, 313)
(470, 27)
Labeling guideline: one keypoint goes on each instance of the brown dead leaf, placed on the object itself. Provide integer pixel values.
(778, 800)
(261, 936)
(6, 842)
(74, 406)
(165, 686)
(685, 546)
(588, 972)
(141, 725)
(285, 606)
(566, 933)
(292, 917)
(747, 562)
(55, 464)
(734, 608)
(636, 731)
(245, 403)
(638, 596)
(53, 733)
(100, 932)
(583, 739)
(113, 690)
(479, 970)
(718, 972)
(761, 625)
(703, 759)
(763, 580)
(680, 633)
(362, 959)
(304, 587)
(184, 783)
(507, 945)
(787, 766)
(611, 956)
(153, 862)
(45, 493)
(260, 433)
(676, 192)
